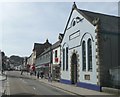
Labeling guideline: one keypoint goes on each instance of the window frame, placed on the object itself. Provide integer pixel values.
(83, 56)
(89, 55)
(56, 52)
(63, 59)
(66, 58)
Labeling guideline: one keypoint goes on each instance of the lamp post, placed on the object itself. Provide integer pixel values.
(51, 68)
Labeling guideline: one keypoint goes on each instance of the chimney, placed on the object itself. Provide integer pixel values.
(47, 40)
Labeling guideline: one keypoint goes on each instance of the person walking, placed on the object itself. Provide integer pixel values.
(42, 75)
(21, 72)
(38, 74)
(50, 77)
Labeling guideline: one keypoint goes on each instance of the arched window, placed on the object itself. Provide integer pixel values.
(89, 47)
(63, 59)
(83, 56)
(66, 58)
(74, 23)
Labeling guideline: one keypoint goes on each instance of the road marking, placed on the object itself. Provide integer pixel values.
(24, 81)
(34, 88)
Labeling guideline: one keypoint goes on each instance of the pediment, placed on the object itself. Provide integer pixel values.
(74, 19)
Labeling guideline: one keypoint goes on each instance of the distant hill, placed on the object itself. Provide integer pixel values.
(16, 60)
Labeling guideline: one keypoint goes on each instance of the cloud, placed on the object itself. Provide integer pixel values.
(25, 23)
(110, 8)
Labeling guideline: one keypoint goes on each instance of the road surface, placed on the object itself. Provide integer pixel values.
(25, 85)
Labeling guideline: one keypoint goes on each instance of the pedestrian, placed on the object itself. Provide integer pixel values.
(42, 75)
(35, 72)
(30, 73)
(27, 71)
(50, 77)
(21, 72)
(38, 74)
(2, 71)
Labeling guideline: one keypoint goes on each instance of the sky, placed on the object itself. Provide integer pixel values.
(24, 23)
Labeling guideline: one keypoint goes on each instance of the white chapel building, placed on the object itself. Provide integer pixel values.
(88, 44)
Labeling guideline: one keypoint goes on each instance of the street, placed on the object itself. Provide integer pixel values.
(25, 85)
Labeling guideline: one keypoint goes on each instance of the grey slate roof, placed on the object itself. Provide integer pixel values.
(55, 45)
(46, 51)
(40, 48)
(107, 23)
(50, 48)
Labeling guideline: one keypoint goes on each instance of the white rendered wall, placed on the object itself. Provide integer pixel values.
(84, 26)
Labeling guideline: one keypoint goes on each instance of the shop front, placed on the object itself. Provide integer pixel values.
(56, 72)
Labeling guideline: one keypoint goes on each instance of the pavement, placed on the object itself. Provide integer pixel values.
(2, 77)
(71, 88)
(2, 83)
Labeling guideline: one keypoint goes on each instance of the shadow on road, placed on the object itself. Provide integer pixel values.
(32, 95)
(20, 95)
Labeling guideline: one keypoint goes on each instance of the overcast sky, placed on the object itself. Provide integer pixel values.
(24, 23)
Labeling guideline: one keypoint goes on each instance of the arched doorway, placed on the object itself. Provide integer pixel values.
(74, 68)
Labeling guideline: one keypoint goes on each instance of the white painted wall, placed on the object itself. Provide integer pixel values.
(84, 26)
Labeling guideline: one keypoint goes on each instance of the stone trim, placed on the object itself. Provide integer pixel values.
(78, 65)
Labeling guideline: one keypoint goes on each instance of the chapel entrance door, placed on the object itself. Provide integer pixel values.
(74, 69)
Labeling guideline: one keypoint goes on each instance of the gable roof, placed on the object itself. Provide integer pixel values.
(107, 23)
(39, 48)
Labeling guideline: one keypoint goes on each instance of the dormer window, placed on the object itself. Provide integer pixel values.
(74, 23)
(77, 19)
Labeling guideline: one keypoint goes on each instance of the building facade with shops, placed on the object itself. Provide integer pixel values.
(56, 61)
(44, 61)
(38, 49)
(89, 49)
